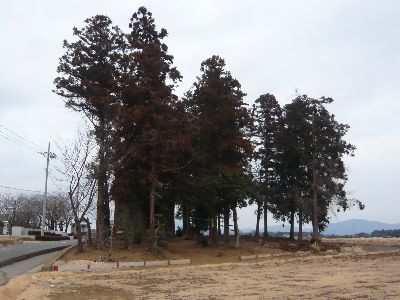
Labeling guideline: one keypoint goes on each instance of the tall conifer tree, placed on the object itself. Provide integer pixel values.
(153, 125)
(88, 81)
(267, 115)
(222, 145)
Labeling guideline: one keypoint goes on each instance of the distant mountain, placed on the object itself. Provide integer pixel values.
(348, 227)
(354, 226)
(274, 228)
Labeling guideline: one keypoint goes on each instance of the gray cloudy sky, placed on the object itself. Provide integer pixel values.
(348, 50)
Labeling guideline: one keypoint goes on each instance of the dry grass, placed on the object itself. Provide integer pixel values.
(6, 240)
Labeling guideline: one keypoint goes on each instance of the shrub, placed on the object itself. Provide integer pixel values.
(38, 232)
(51, 238)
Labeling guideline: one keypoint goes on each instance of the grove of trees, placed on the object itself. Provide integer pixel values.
(26, 211)
(200, 157)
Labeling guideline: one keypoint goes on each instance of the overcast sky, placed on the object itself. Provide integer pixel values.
(348, 50)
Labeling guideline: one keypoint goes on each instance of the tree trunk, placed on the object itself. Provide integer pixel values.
(132, 220)
(79, 234)
(103, 208)
(266, 235)
(66, 226)
(214, 235)
(128, 219)
(170, 220)
(89, 237)
(291, 221)
(185, 219)
(235, 224)
(257, 234)
(152, 208)
(226, 226)
(219, 225)
(315, 212)
(300, 234)
(315, 208)
(99, 231)
(139, 221)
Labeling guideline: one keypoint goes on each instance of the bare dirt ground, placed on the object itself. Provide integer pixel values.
(364, 269)
(178, 248)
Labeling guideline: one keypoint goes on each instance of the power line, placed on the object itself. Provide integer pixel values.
(55, 183)
(53, 174)
(58, 166)
(20, 143)
(17, 138)
(21, 137)
(18, 189)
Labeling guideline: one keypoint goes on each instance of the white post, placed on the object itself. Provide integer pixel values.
(45, 191)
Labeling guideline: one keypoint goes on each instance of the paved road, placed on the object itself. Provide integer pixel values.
(26, 250)
(27, 266)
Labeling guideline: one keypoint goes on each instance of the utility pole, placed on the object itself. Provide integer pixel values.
(45, 191)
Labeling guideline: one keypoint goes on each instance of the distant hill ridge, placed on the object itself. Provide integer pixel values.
(348, 227)
(354, 226)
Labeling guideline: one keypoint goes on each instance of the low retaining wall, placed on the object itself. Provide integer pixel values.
(261, 256)
(118, 265)
(156, 263)
(179, 261)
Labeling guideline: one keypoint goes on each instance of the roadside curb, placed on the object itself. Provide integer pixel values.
(48, 266)
(119, 265)
(29, 255)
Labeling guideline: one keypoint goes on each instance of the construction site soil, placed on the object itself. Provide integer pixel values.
(349, 269)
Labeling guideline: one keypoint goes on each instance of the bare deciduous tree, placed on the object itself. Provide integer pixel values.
(79, 173)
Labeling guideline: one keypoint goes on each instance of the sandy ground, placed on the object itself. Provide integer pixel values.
(365, 269)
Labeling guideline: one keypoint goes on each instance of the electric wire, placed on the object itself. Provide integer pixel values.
(21, 137)
(17, 142)
(18, 189)
(55, 183)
